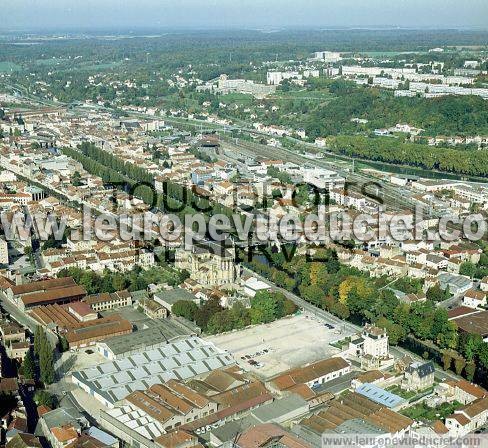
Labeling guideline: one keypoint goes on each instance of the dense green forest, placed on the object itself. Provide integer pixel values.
(66, 65)
(327, 106)
(214, 45)
(385, 149)
(449, 115)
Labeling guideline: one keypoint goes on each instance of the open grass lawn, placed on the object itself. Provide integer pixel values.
(6, 66)
(424, 413)
(401, 393)
(313, 95)
(53, 61)
(236, 98)
(389, 53)
(99, 66)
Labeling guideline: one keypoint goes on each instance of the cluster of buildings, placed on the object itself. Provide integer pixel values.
(415, 80)
(224, 85)
(154, 380)
(428, 90)
(277, 77)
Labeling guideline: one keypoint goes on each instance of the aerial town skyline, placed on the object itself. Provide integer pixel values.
(243, 224)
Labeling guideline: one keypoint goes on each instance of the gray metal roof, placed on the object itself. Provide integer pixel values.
(357, 426)
(379, 395)
(158, 334)
(228, 432)
(423, 369)
(279, 408)
(174, 295)
(447, 279)
(102, 436)
(183, 359)
(62, 416)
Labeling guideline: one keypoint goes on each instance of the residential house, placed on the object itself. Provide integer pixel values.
(109, 301)
(418, 376)
(461, 391)
(370, 347)
(469, 418)
(474, 298)
(153, 309)
(23, 440)
(168, 297)
(484, 284)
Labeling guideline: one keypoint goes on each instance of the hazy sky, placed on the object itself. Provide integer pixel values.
(241, 13)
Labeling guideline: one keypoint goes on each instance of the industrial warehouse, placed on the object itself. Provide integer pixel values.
(181, 360)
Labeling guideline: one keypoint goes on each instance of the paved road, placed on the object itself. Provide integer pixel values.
(456, 300)
(453, 302)
(22, 318)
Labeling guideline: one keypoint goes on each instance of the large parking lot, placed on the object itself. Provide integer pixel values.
(281, 345)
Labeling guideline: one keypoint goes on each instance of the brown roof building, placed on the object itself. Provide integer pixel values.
(9, 386)
(51, 296)
(177, 439)
(23, 440)
(240, 394)
(461, 311)
(86, 441)
(87, 333)
(355, 406)
(46, 292)
(54, 315)
(313, 374)
(476, 323)
(109, 301)
(171, 404)
(63, 435)
(43, 285)
(269, 434)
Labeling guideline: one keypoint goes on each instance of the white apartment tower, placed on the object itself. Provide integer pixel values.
(375, 342)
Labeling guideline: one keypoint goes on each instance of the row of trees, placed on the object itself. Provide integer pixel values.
(43, 357)
(390, 150)
(137, 181)
(351, 294)
(44, 354)
(135, 280)
(212, 318)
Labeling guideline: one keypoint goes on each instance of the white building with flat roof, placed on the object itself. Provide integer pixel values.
(322, 178)
(327, 56)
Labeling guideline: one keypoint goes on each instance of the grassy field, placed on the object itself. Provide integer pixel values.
(388, 53)
(401, 393)
(51, 62)
(94, 66)
(236, 98)
(317, 95)
(6, 66)
(424, 413)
